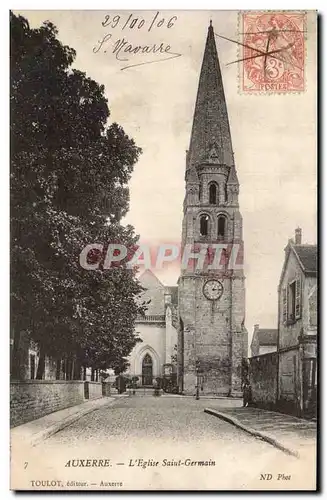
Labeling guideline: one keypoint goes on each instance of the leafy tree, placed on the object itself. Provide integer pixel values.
(69, 187)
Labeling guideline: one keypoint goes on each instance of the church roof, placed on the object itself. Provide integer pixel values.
(149, 279)
(210, 138)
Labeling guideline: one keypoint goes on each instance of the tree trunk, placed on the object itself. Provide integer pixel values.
(66, 369)
(69, 368)
(84, 372)
(77, 369)
(92, 375)
(15, 356)
(58, 367)
(63, 367)
(41, 365)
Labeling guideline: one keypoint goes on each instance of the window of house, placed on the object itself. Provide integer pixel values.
(284, 299)
(204, 225)
(221, 226)
(213, 194)
(291, 300)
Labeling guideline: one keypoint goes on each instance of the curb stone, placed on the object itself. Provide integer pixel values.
(65, 422)
(259, 434)
(184, 396)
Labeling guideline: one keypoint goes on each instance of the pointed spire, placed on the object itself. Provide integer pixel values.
(210, 131)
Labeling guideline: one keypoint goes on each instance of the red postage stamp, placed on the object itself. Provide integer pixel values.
(273, 52)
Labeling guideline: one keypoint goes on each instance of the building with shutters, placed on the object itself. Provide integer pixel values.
(297, 328)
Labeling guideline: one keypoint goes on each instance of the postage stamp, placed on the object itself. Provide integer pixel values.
(272, 52)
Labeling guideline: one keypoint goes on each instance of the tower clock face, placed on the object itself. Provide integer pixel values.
(213, 289)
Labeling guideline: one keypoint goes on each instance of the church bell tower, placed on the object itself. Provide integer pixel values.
(212, 337)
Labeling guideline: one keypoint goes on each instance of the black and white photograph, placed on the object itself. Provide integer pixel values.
(163, 250)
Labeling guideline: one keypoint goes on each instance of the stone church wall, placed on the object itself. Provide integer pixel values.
(208, 338)
(154, 343)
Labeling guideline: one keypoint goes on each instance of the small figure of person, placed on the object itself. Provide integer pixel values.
(247, 393)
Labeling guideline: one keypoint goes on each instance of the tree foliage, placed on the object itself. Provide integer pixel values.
(69, 187)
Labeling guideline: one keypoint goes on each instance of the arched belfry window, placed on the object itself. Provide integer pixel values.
(204, 225)
(222, 226)
(213, 194)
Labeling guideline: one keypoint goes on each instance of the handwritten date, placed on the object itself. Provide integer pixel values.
(138, 22)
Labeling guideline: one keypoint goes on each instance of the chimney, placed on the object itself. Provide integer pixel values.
(298, 236)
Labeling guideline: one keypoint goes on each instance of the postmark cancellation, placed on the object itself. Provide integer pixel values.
(272, 52)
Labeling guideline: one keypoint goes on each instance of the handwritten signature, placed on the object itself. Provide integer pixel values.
(125, 50)
(122, 46)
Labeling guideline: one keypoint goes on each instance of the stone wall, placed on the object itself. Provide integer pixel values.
(106, 389)
(93, 390)
(32, 399)
(213, 335)
(290, 381)
(263, 379)
(206, 337)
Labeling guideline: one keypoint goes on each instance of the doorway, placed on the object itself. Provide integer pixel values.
(147, 370)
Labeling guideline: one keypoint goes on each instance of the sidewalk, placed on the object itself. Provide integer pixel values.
(37, 430)
(292, 435)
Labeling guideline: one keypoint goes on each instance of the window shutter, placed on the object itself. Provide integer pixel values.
(298, 297)
(284, 298)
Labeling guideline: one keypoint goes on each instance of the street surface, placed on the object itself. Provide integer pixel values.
(165, 442)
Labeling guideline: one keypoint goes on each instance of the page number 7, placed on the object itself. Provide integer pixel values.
(25, 465)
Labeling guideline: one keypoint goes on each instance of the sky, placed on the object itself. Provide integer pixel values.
(273, 134)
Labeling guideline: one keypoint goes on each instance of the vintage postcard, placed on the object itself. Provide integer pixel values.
(163, 250)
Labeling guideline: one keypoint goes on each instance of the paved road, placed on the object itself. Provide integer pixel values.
(168, 434)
